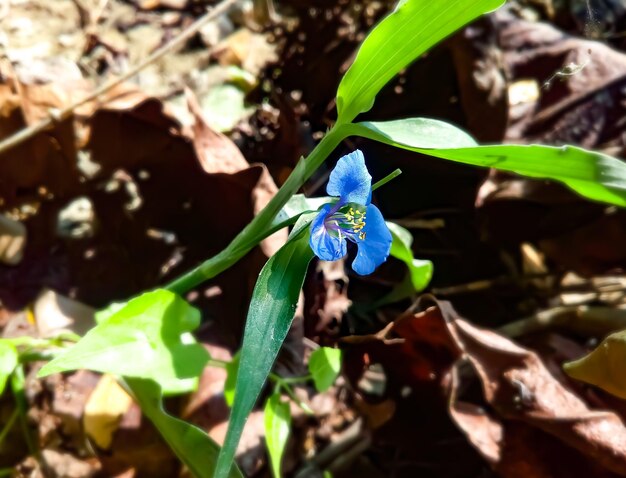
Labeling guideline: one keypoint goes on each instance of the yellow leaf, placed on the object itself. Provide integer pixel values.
(104, 410)
(605, 366)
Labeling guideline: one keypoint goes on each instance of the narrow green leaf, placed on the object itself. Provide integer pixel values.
(277, 418)
(8, 362)
(594, 175)
(605, 366)
(420, 271)
(325, 365)
(409, 31)
(270, 315)
(147, 338)
(231, 380)
(192, 446)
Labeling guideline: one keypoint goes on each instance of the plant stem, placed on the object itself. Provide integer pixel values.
(386, 179)
(261, 225)
(289, 380)
(18, 384)
(8, 425)
(218, 363)
(303, 405)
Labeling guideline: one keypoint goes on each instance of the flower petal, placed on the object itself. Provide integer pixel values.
(324, 245)
(374, 249)
(350, 179)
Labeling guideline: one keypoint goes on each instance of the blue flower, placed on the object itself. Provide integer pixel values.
(352, 218)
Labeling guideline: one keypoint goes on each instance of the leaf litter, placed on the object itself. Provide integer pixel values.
(148, 158)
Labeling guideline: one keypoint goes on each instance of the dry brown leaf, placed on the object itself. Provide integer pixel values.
(515, 449)
(252, 51)
(216, 151)
(218, 154)
(519, 386)
(50, 155)
(482, 430)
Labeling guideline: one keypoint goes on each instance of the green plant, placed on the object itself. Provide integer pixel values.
(158, 324)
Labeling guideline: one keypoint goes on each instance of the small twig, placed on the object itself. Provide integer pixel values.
(488, 284)
(66, 112)
(380, 336)
(587, 320)
(340, 451)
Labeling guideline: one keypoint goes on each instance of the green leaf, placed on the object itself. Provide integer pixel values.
(277, 418)
(299, 203)
(8, 362)
(419, 274)
(231, 380)
(103, 315)
(192, 446)
(147, 338)
(605, 366)
(420, 271)
(594, 175)
(409, 31)
(269, 318)
(325, 365)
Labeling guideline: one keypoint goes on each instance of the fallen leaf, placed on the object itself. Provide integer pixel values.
(55, 313)
(105, 408)
(252, 51)
(216, 152)
(519, 386)
(604, 366)
(51, 153)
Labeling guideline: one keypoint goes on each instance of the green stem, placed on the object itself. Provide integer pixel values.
(18, 383)
(261, 225)
(386, 179)
(274, 377)
(289, 380)
(9, 424)
(289, 391)
(218, 363)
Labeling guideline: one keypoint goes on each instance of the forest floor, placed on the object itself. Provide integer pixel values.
(160, 172)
